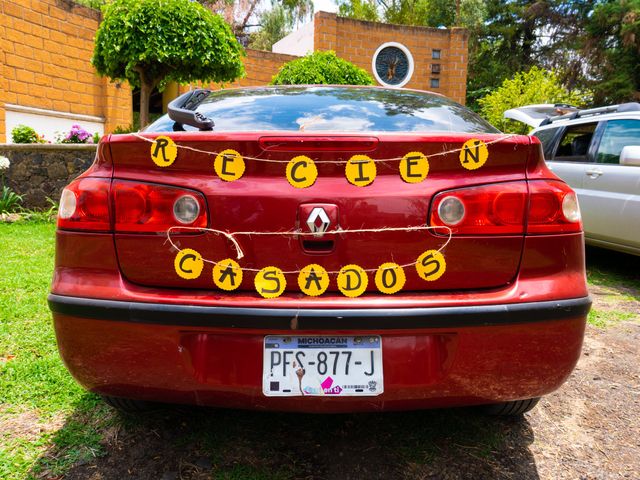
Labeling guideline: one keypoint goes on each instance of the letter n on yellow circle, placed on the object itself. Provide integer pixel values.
(414, 167)
(360, 170)
(301, 172)
(163, 151)
(270, 282)
(474, 154)
(313, 280)
(390, 278)
(188, 264)
(352, 280)
(431, 265)
(229, 165)
(227, 274)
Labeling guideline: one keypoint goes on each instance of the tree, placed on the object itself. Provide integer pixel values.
(151, 42)
(359, 10)
(321, 68)
(526, 88)
(612, 45)
(274, 26)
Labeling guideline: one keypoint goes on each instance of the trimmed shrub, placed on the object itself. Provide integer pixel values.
(321, 68)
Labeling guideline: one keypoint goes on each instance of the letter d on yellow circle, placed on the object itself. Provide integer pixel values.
(352, 280)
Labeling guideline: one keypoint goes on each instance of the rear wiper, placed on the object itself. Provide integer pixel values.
(182, 110)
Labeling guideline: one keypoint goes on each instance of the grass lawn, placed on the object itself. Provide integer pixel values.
(48, 423)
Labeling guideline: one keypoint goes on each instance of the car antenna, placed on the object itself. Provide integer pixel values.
(182, 110)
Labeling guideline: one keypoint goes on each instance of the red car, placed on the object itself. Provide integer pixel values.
(320, 249)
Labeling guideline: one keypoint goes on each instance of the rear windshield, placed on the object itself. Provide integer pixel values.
(337, 109)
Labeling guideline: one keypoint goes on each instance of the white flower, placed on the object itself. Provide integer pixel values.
(4, 163)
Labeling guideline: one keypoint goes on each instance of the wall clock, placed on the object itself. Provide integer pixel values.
(392, 64)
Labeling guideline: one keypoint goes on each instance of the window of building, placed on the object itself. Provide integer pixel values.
(435, 68)
(435, 54)
(435, 83)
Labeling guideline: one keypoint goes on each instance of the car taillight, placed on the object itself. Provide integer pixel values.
(99, 204)
(84, 205)
(149, 208)
(511, 208)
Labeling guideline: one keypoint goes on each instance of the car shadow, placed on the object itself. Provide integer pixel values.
(195, 443)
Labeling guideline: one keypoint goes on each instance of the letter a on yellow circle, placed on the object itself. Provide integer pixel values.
(390, 278)
(227, 274)
(188, 264)
(270, 282)
(313, 280)
(352, 280)
(474, 154)
(229, 165)
(301, 172)
(163, 151)
(414, 167)
(360, 170)
(431, 265)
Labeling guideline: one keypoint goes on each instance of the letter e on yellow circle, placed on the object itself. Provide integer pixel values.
(313, 280)
(414, 167)
(360, 170)
(301, 172)
(163, 151)
(227, 274)
(474, 154)
(229, 165)
(188, 264)
(270, 282)
(352, 280)
(431, 265)
(390, 278)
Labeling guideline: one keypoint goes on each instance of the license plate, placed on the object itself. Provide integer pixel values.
(339, 366)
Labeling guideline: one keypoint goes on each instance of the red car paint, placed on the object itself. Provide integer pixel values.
(221, 365)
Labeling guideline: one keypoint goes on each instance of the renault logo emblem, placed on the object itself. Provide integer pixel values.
(318, 221)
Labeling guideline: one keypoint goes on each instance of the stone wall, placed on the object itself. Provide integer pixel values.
(38, 172)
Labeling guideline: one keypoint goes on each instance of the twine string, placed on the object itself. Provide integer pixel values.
(334, 162)
(240, 253)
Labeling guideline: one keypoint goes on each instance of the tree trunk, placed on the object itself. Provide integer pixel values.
(145, 95)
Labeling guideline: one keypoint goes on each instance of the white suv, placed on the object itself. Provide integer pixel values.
(597, 152)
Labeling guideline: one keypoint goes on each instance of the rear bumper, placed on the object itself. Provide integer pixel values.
(432, 357)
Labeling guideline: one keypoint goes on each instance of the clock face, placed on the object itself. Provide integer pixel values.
(392, 66)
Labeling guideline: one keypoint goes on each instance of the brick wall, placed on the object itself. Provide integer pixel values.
(260, 67)
(45, 52)
(357, 41)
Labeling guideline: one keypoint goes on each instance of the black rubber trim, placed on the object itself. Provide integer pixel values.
(319, 319)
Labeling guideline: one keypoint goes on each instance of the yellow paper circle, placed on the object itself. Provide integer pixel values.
(313, 280)
(352, 280)
(229, 165)
(414, 167)
(360, 170)
(474, 154)
(431, 265)
(163, 151)
(301, 172)
(390, 278)
(270, 282)
(227, 274)
(188, 264)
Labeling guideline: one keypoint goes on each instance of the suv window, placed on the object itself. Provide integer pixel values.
(574, 144)
(617, 134)
(546, 138)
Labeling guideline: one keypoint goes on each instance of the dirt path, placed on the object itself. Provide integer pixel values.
(588, 429)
